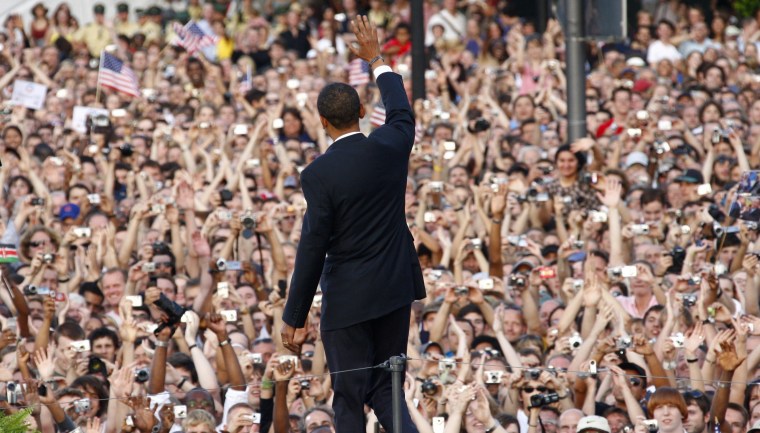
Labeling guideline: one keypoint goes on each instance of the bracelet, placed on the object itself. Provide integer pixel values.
(267, 384)
(194, 346)
(724, 385)
(691, 361)
(160, 343)
(64, 280)
(497, 222)
(375, 59)
(459, 208)
(491, 430)
(711, 361)
(224, 343)
(244, 311)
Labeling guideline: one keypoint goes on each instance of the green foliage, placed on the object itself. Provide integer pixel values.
(746, 8)
(15, 423)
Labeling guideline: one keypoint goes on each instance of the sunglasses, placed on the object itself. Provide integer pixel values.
(37, 244)
(530, 389)
(164, 264)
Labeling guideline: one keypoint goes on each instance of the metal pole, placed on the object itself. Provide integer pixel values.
(576, 72)
(542, 15)
(397, 367)
(418, 50)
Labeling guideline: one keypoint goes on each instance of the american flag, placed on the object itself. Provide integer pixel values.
(377, 118)
(358, 72)
(116, 75)
(192, 38)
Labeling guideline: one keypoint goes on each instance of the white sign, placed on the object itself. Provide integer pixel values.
(80, 115)
(29, 94)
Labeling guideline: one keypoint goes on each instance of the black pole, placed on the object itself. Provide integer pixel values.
(418, 51)
(576, 70)
(397, 367)
(542, 15)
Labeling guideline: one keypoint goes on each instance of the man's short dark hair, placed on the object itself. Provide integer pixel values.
(70, 330)
(699, 399)
(104, 332)
(339, 104)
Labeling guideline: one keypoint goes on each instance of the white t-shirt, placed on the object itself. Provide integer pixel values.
(659, 50)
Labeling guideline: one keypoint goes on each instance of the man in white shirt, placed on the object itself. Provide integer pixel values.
(662, 49)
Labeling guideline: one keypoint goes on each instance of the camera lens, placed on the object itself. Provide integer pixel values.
(429, 388)
(142, 375)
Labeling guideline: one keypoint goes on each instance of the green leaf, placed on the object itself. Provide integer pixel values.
(15, 423)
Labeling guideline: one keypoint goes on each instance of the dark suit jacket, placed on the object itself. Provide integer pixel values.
(355, 216)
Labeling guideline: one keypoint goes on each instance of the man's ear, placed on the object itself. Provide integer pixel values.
(362, 111)
(323, 121)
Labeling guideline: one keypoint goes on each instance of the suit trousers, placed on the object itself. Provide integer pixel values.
(367, 344)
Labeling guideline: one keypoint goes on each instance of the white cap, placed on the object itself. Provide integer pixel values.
(636, 158)
(637, 62)
(593, 422)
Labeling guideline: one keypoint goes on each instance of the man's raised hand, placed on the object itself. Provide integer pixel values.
(366, 39)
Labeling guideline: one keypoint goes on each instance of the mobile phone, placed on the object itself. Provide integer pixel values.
(81, 345)
(240, 129)
(277, 123)
(256, 418)
(704, 189)
(485, 284)
(149, 267)
(229, 315)
(180, 411)
(253, 163)
(82, 232)
(629, 271)
(439, 424)
(135, 300)
(256, 358)
(547, 273)
(293, 83)
(223, 289)
(664, 125)
(282, 285)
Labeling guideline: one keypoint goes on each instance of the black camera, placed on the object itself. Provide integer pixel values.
(126, 150)
(305, 384)
(540, 400)
(429, 388)
(142, 375)
(517, 280)
(38, 202)
(689, 300)
(48, 258)
(173, 312)
(248, 221)
(679, 255)
(480, 125)
(99, 124)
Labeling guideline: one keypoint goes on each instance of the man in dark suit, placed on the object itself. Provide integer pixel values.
(355, 217)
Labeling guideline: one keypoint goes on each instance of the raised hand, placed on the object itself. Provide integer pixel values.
(366, 39)
(43, 359)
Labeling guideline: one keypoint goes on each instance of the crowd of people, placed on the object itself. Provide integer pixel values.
(608, 284)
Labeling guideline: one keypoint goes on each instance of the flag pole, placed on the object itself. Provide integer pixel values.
(97, 87)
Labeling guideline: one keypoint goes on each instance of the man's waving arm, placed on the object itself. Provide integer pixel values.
(310, 258)
(398, 112)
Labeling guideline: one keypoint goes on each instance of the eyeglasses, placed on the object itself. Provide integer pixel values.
(530, 389)
(37, 244)
(635, 381)
(273, 101)
(164, 264)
